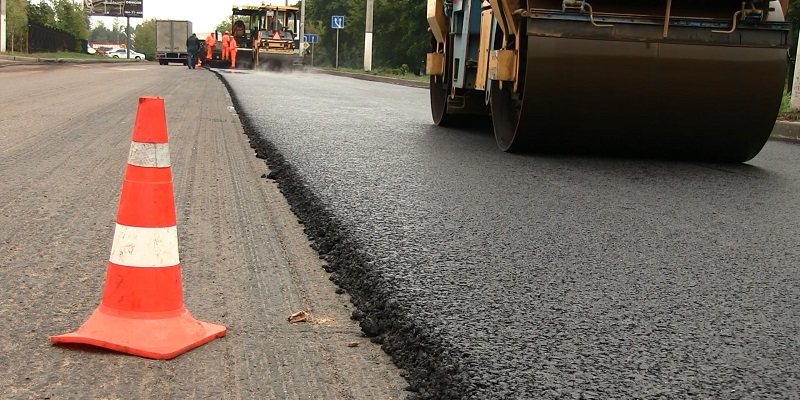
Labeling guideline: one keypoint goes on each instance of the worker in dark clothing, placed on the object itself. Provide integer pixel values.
(193, 47)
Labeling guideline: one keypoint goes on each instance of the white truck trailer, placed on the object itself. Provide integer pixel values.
(171, 38)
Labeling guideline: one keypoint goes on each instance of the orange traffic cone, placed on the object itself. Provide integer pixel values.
(142, 311)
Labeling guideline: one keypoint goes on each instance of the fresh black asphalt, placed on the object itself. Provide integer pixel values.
(489, 275)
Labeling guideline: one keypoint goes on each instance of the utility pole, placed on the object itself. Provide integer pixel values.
(794, 102)
(337, 49)
(368, 38)
(128, 36)
(302, 28)
(2, 26)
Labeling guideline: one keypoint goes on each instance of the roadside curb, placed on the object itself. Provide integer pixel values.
(374, 78)
(38, 60)
(786, 131)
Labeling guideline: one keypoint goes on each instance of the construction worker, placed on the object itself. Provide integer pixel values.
(211, 42)
(226, 43)
(234, 47)
(276, 24)
(193, 46)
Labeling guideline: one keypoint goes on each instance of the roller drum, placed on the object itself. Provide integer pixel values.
(276, 62)
(676, 99)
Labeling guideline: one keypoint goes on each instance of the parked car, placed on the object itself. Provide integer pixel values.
(123, 53)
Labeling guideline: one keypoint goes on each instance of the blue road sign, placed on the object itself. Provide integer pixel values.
(337, 22)
(311, 38)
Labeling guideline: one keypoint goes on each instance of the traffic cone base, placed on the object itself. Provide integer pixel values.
(157, 338)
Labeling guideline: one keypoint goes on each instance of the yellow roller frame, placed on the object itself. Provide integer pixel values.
(499, 65)
(437, 20)
(502, 65)
(484, 47)
(504, 10)
(434, 63)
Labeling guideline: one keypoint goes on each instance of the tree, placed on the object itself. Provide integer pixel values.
(70, 18)
(119, 32)
(42, 14)
(16, 23)
(145, 38)
(318, 16)
(400, 32)
(793, 14)
(225, 25)
(101, 34)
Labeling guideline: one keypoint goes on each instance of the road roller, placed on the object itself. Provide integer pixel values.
(277, 43)
(265, 37)
(699, 79)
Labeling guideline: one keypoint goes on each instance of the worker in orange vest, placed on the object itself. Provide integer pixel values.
(226, 43)
(234, 47)
(211, 42)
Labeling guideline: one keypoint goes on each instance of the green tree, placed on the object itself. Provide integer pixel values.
(118, 32)
(400, 32)
(70, 18)
(225, 25)
(145, 38)
(793, 15)
(42, 13)
(16, 24)
(100, 33)
(318, 17)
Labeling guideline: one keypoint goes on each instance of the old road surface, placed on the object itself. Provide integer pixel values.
(489, 275)
(65, 132)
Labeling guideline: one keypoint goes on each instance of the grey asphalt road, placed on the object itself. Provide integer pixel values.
(489, 275)
(65, 133)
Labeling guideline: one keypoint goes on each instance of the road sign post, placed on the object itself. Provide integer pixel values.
(302, 28)
(312, 39)
(337, 22)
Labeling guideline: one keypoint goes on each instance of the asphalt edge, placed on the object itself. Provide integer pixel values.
(430, 372)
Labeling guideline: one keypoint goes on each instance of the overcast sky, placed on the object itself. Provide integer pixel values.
(204, 14)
